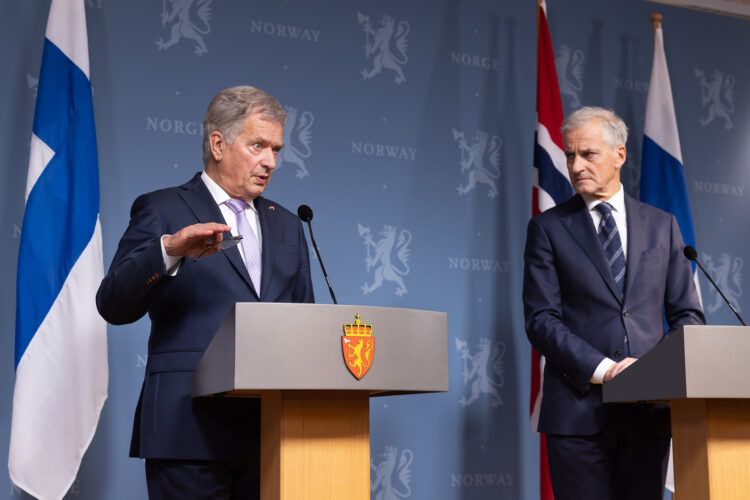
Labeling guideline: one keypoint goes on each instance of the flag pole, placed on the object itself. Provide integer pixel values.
(538, 6)
(656, 20)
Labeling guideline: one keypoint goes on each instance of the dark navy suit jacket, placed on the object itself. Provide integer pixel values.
(186, 311)
(575, 316)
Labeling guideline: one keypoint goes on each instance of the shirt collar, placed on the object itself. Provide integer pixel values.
(217, 192)
(617, 201)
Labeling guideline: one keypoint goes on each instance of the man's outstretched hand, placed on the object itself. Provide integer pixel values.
(192, 241)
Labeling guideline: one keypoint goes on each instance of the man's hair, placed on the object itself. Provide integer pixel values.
(614, 130)
(229, 109)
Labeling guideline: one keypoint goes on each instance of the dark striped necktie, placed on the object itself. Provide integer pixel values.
(609, 237)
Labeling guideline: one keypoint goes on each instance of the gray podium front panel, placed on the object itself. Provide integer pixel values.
(698, 361)
(279, 346)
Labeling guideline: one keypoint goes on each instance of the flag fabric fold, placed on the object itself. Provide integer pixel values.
(551, 185)
(61, 344)
(662, 174)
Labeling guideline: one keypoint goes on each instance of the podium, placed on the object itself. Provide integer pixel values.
(314, 412)
(702, 371)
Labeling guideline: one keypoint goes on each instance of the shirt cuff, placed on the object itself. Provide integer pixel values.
(170, 261)
(598, 376)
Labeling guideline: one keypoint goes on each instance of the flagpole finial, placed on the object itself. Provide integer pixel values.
(656, 20)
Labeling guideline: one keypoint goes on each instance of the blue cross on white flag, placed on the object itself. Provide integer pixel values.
(662, 174)
(61, 343)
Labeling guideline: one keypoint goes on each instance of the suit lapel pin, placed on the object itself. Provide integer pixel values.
(271, 207)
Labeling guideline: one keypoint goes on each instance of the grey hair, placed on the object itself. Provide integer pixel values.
(614, 130)
(229, 108)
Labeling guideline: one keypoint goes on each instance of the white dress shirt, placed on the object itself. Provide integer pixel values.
(220, 197)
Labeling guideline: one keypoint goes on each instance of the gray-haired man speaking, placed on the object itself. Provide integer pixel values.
(206, 448)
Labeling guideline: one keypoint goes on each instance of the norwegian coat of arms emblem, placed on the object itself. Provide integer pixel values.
(358, 346)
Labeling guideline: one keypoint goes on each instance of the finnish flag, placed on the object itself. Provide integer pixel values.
(662, 174)
(61, 343)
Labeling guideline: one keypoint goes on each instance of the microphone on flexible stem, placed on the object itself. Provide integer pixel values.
(305, 213)
(691, 254)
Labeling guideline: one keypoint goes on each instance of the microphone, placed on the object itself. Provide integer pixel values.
(305, 214)
(691, 254)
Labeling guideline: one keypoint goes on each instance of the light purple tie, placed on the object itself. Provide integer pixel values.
(250, 245)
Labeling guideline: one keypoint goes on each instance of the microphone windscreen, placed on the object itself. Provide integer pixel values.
(690, 253)
(305, 213)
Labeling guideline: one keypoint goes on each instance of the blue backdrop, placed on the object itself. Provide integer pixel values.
(411, 127)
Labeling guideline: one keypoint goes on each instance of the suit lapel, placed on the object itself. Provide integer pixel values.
(637, 225)
(269, 231)
(199, 200)
(578, 222)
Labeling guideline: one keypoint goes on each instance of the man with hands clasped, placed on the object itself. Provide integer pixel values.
(601, 272)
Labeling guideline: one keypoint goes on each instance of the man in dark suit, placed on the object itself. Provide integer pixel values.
(206, 448)
(598, 281)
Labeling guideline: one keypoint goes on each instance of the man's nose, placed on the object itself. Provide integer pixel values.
(269, 159)
(575, 163)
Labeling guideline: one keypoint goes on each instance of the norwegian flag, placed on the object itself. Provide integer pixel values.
(551, 186)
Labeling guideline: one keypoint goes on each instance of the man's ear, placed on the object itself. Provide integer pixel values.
(622, 154)
(216, 144)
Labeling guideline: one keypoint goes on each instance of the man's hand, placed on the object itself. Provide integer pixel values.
(191, 241)
(615, 369)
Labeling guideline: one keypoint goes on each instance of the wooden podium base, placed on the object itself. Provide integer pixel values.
(711, 439)
(315, 445)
